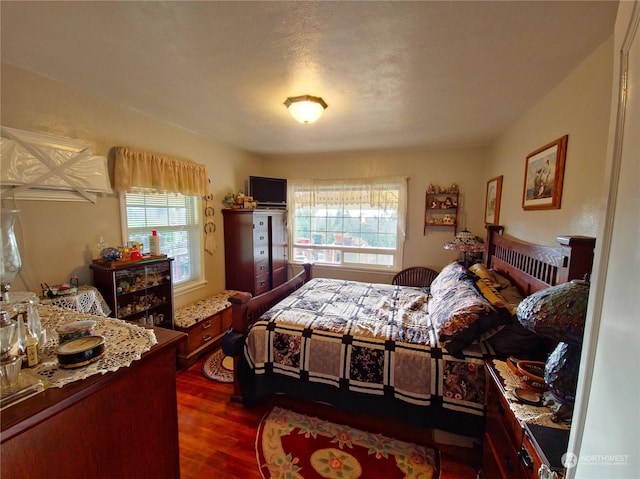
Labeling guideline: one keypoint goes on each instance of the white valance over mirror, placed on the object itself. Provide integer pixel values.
(137, 170)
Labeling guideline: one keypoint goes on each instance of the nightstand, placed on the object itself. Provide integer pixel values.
(514, 448)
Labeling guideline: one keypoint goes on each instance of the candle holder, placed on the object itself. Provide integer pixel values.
(9, 365)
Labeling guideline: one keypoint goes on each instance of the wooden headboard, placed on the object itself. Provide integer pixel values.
(532, 267)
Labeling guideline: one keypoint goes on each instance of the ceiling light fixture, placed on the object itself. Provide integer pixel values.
(305, 108)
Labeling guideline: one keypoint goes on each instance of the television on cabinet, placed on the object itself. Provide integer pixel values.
(268, 192)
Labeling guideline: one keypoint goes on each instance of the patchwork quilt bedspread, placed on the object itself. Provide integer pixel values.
(370, 338)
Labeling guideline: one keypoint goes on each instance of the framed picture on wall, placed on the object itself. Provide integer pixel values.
(543, 176)
(492, 202)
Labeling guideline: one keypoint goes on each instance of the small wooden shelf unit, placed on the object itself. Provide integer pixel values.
(140, 291)
(441, 211)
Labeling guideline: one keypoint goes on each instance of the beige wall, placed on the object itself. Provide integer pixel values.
(56, 238)
(440, 167)
(578, 107)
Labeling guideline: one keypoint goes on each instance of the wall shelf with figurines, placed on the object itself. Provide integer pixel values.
(441, 207)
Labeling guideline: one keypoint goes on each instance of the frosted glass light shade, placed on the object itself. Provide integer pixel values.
(306, 108)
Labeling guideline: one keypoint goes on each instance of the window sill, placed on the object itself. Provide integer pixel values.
(328, 269)
(188, 287)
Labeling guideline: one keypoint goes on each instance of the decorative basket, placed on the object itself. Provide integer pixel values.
(532, 375)
(513, 365)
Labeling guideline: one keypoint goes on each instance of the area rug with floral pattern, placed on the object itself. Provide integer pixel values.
(290, 445)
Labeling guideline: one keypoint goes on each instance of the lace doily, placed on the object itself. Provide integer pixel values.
(124, 343)
(87, 300)
(540, 415)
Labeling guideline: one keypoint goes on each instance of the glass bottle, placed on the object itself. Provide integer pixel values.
(9, 364)
(22, 335)
(7, 335)
(34, 324)
(99, 247)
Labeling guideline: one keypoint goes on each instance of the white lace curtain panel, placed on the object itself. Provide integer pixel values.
(387, 194)
(136, 170)
(382, 193)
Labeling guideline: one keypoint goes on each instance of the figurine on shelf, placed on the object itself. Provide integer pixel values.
(435, 204)
(448, 203)
(431, 189)
(229, 200)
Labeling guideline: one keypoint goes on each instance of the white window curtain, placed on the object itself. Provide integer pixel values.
(380, 193)
(137, 170)
(371, 212)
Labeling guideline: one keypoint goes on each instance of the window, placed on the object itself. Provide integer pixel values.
(348, 223)
(175, 218)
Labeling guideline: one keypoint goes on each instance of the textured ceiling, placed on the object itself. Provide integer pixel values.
(395, 74)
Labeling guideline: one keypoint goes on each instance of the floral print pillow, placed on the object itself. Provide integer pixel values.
(459, 313)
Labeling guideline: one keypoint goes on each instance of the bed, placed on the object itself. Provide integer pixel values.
(412, 354)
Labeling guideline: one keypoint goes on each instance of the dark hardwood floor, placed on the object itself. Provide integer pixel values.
(217, 435)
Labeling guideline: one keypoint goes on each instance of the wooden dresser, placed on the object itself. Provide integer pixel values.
(514, 449)
(255, 249)
(122, 424)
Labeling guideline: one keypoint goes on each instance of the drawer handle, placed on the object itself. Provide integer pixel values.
(206, 324)
(206, 338)
(262, 283)
(261, 237)
(526, 458)
(263, 267)
(262, 252)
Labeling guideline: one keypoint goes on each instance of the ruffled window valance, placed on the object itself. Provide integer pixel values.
(137, 170)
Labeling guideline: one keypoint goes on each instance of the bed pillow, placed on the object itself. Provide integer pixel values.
(512, 297)
(459, 313)
(497, 280)
(508, 298)
(490, 293)
(503, 281)
(450, 275)
(482, 272)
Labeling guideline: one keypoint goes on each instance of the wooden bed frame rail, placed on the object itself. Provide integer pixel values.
(247, 309)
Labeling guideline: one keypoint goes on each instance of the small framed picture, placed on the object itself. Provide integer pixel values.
(492, 202)
(543, 176)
